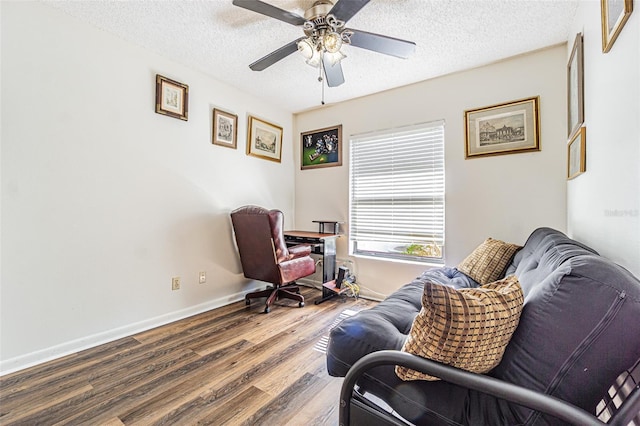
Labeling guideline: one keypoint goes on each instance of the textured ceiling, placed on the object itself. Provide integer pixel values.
(221, 40)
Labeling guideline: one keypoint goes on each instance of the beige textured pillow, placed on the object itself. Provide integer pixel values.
(488, 261)
(467, 328)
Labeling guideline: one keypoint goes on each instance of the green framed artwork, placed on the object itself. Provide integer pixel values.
(321, 148)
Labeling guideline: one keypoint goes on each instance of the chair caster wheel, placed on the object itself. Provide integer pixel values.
(267, 310)
(301, 304)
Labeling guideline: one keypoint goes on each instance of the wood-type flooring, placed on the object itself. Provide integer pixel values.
(233, 365)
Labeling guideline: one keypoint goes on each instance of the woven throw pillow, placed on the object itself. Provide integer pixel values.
(467, 328)
(488, 261)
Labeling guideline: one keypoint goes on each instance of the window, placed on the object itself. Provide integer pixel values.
(397, 193)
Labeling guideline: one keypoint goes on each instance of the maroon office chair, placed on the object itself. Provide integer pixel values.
(265, 257)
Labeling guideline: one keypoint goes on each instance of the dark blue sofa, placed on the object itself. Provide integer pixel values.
(579, 330)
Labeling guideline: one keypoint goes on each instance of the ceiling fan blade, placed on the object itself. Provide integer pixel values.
(333, 73)
(345, 9)
(272, 11)
(382, 44)
(275, 56)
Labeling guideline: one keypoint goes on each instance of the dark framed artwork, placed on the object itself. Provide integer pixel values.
(613, 14)
(225, 129)
(507, 128)
(576, 154)
(264, 140)
(172, 98)
(321, 148)
(575, 87)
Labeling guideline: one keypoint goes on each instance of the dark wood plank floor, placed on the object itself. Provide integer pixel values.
(234, 365)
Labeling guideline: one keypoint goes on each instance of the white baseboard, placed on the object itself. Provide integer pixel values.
(43, 355)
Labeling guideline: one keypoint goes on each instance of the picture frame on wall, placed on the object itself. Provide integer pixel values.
(576, 154)
(172, 98)
(321, 148)
(225, 129)
(575, 87)
(613, 14)
(506, 128)
(264, 140)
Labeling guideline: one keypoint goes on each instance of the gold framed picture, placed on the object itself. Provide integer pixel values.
(225, 129)
(264, 140)
(321, 148)
(613, 14)
(507, 128)
(576, 154)
(172, 98)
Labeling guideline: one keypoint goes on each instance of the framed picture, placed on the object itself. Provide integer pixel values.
(507, 128)
(264, 140)
(576, 154)
(575, 87)
(172, 98)
(613, 14)
(225, 129)
(321, 148)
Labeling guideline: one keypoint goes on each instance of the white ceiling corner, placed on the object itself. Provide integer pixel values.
(221, 40)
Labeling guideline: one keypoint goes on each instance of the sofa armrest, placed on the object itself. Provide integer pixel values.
(489, 385)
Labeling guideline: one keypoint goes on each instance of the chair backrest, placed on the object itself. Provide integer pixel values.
(260, 242)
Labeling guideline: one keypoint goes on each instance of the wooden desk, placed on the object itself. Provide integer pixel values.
(321, 243)
(309, 235)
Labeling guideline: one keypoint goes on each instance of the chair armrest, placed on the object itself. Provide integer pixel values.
(300, 250)
(489, 385)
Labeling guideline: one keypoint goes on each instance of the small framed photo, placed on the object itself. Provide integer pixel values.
(506, 128)
(576, 154)
(321, 148)
(575, 87)
(172, 98)
(225, 129)
(614, 14)
(264, 140)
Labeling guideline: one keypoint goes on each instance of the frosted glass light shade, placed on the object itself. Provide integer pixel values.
(336, 57)
(332, 42)
(306, 48)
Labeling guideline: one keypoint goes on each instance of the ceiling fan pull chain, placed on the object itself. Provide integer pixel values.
(321, 80)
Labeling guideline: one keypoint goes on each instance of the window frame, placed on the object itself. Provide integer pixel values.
(428, 137)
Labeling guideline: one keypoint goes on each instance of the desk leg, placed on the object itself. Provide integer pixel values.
(328, 268)
(326, 295)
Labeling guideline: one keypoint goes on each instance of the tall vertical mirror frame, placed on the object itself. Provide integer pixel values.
(575, 87)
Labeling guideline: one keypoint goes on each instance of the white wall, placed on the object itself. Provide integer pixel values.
(505, 197)
(103, 200)
(604, 202)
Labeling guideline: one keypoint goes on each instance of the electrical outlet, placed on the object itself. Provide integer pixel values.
(175, 283)
(203, 277)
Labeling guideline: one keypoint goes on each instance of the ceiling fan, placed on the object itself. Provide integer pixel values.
(325, 33)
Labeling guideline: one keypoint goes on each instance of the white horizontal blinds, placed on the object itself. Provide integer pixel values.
(397, 186)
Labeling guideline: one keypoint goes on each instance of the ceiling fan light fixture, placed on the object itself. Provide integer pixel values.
(332, 42)
(335, 57)
(315, 60)
(309, 51)
(306, 48)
